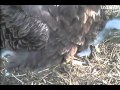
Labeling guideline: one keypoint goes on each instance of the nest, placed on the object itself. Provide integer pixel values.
(102, 69)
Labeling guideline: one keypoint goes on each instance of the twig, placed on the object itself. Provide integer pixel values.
(18, 79)
(45, 76)
(43, 70)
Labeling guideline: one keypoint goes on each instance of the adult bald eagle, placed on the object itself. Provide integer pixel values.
(44, 35)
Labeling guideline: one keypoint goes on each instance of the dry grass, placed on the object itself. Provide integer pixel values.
(102, 69)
